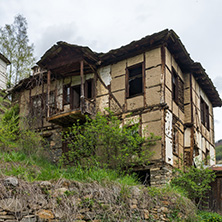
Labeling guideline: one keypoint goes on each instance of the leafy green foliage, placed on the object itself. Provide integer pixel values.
(9, 128)
(105, 141)
(12, 134)
(194, 181)
(209, 216)
(219, 153)
(14, 44)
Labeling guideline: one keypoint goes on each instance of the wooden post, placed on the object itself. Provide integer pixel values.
(48, 91)
(82, 86)
(192, 121)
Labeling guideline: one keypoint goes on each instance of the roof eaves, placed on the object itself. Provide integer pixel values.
(4, 59)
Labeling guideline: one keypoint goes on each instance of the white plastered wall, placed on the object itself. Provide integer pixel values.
(3, 78)
(168, 137)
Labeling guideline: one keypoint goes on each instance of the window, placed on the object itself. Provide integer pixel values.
(66, 94)
(75, 97)
(52, 103)
(175, 86)
(175, 140)
(207, 157)
(135, 80)
(36, 105)
(204, 109)
(177, 90)
(89, 89)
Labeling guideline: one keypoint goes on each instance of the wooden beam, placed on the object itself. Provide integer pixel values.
(62, 115)
(82, 86)
(48, 90)
(109, 90)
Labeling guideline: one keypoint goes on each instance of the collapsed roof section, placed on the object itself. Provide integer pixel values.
(64, 59)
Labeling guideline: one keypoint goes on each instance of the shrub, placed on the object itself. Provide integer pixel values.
(9, 128)
(194, 181)
(106, 142)
(13, 136)
(209, 216)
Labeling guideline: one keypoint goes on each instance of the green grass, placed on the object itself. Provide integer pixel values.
(33, 168)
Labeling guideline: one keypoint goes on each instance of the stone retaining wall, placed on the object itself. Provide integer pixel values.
(67, 201)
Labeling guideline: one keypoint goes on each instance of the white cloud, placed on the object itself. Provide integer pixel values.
(106, 24)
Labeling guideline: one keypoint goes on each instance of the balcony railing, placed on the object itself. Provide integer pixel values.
(69, 116)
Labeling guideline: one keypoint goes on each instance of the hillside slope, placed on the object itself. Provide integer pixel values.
(66, 200)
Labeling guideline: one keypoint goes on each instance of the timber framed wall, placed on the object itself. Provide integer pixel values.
(152, 81)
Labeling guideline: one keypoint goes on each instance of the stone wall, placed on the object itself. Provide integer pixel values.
(68, 201)
(160, 174)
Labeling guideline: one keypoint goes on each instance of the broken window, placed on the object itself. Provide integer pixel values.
(177, 89)
(75, 97)
(207, 157)
(175, 135)
(175, 86)
(89, 89)
(66, 94)
(36, 106)
(175, 141)
(135, 80)
(204, 108)
(52, 103)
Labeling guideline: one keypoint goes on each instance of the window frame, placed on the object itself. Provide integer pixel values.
(52, 102)
(36, 105)
(87, 82)
(175, 86)
(65, 95)
(128, 78)
(204, 113)
(175, 141)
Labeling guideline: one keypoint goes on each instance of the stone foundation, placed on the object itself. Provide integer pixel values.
(160, 174)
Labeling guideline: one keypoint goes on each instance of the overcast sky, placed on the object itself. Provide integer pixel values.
(107, 24)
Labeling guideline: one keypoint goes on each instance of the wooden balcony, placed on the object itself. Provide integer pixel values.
(68, 117)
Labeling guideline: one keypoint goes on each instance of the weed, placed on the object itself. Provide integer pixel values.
(209, 216)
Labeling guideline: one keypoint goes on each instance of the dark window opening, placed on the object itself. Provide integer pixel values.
(175, 86)
(75, 97)
(52, 103)
(144, 176)
(66, 94)
(89, 89)
(204, 109)
(135, 80)
(207, 157)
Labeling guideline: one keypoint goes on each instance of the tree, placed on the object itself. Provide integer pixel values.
(14, 44)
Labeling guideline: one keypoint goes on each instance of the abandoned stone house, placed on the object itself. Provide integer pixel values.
(154, 79)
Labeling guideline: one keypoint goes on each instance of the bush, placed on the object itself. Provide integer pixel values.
(209, 216)
(194, 181)
(13, 136)
(9, 128)
(218, 153)
(104, 141)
